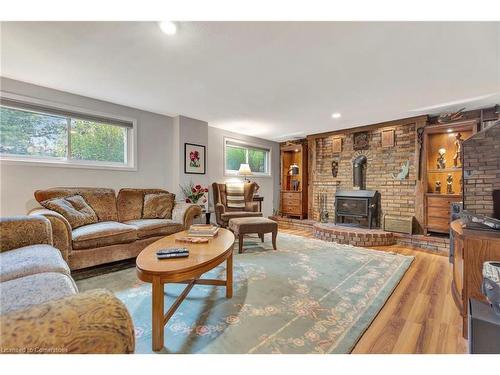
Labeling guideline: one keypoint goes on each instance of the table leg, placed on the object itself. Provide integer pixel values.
(229, 276)
(157, 309)
(275, 234)
(240, 243)
(207, 217)
(261, 235)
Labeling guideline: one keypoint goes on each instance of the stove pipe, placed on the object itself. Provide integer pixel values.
(359, 172)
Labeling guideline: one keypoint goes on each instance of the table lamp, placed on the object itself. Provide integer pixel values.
(245, 171)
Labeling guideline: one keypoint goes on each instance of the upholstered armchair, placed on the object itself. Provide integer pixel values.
(225, 211)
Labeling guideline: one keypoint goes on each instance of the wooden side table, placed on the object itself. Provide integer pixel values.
(260, 199)
(207, 214)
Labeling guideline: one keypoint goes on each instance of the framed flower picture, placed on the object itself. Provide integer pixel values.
(194, 159)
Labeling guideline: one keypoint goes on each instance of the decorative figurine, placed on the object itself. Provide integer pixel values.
(449, 184)
(335, 168)
(437, 187)
(458, 150)
(441, 161)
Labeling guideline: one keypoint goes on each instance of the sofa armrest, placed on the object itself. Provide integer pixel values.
(185, 213)
(61, 230)
(19, 231)
(91, 322)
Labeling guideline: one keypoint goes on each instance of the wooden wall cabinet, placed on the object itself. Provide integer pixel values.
(294, 179)
(471, 249)
(437, 204)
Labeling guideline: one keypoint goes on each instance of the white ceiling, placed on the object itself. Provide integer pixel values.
(274, 80)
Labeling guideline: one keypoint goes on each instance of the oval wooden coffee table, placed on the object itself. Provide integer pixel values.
(202, 258)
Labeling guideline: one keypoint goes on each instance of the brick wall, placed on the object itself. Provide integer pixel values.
(482, 170)
(397, 197)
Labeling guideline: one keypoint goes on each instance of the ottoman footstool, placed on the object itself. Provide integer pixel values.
(251, 225)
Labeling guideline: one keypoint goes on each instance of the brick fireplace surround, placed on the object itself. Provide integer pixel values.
(399, 198)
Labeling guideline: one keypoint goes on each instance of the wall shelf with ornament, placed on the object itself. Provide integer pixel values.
(443, 171)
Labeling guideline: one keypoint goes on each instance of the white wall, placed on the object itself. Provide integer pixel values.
(188, 130)
(269, 186)
(155, 140)
(160, 154)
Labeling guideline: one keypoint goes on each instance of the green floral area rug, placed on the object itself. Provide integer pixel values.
(309, 296)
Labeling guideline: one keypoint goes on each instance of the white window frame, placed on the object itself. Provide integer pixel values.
(131, 141)
(246, 144)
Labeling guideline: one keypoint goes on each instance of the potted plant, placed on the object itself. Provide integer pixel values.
(195, 194)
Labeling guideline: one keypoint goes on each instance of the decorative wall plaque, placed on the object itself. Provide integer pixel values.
(388, 138)
(337, 145)
(360, 141)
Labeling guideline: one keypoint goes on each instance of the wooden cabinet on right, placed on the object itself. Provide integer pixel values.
(438, 211)
(471, 249)
(443, 177)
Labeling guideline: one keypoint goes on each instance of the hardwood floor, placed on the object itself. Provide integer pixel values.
(420, 316)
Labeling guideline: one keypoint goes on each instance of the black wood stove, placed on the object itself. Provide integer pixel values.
(357, 204)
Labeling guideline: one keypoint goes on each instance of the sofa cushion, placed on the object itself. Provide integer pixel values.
(155, 227)
(103, 234)
(73, 208)
(23, 292)
(130, 202)
(158, 206)
(102, 200)
(30, 260)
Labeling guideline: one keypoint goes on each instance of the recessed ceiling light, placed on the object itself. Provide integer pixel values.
(168, 27)
(336, 115)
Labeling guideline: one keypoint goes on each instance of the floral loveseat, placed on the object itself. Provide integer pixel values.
(118, 231)
(41, 310)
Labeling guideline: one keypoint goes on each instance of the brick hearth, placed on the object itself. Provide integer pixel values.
(353, 235)
(435, 244)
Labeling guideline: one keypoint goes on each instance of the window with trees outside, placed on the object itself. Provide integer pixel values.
(237, 153)
(32, 133)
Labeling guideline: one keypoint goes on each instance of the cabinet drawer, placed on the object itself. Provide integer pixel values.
(442, 212)
(291, 195)
(438, 223)
(436, 201)
(294, 210)
(291, 204)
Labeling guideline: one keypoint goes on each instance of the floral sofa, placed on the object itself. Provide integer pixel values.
(41, 310)
(119, 230)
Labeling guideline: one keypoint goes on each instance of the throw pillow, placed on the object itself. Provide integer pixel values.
(74, 209)
(235, 195)
(158, 206)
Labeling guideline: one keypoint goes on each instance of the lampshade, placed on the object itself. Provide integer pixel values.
(244, 170)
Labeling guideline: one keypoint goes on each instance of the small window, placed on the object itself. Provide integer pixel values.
(32, 133)
(238, 152)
